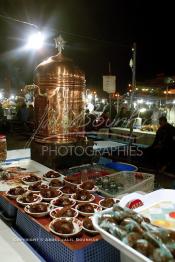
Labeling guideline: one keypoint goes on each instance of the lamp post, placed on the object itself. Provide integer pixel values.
(133, 68)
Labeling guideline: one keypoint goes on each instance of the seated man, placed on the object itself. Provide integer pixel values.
(161, 152)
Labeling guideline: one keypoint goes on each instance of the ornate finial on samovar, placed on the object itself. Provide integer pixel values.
(59, 43)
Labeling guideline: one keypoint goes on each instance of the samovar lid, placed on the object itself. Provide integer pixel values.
(58, 64)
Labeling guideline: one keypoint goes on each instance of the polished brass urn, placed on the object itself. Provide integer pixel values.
(59, 99)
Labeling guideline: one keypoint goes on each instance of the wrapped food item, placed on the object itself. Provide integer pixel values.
(131, 238)
(162, 254)
(144, 247)
(134, 230)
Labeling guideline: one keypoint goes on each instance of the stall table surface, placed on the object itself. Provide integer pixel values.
(83, 241)
(13, 249)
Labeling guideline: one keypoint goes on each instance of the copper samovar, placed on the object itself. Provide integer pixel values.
(59, 111)
(59, 99)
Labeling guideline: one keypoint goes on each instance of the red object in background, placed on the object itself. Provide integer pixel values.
(138, 175)
(92, 174)
(172, 214)
(134, 203)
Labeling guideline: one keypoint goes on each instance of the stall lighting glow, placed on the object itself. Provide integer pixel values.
(140, 101)
(35, 41)
(89, 97)
(149, 103)
(1, 96)
(135, 104)
(12, 97)
(173, 101)
(90, 106)
(142, 110)
(103, 101)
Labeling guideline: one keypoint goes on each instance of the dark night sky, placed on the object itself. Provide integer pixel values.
(110, 27)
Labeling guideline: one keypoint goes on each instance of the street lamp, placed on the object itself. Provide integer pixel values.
(35, 41)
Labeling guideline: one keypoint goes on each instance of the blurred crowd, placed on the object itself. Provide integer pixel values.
(17, 118)
(123, 116)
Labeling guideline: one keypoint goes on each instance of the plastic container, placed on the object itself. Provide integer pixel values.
(137, 123)
(120, 166)
(127, 253)
(132, 255)
(127, 182)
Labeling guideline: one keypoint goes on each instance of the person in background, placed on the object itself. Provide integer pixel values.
(161, 152)
(22, 116)
(90, 121)
(1, 118)
(112, 112)
(30, 119)
(1, 112)
(104, 120)
(123, 116)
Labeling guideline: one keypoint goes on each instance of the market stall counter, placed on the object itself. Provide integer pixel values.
(82, 247)
(138, 136)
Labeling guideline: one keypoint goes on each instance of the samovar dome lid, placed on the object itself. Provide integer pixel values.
(58, 62)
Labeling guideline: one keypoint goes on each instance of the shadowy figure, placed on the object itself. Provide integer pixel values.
(90, 121)
(1, 118)
(161, 152)
(22, 116)
(104, 120)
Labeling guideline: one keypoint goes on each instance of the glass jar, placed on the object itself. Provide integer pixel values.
(3, 148)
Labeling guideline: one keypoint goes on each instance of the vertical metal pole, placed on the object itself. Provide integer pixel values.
(133, 73)
(110, 95)
(110, 101)
(118, 101)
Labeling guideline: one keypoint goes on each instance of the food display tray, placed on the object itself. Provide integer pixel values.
(132, 255)
(29, 165)
(130, 181)
(90, 171)
(55, 249)
(127, 253)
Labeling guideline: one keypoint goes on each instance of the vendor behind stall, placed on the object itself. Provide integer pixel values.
(161, 152)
